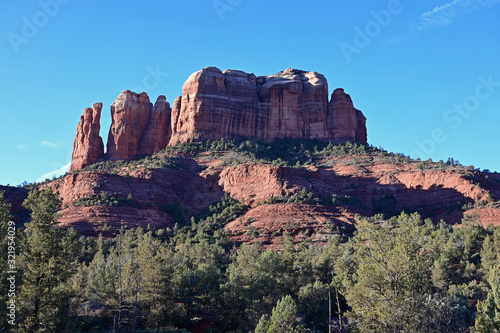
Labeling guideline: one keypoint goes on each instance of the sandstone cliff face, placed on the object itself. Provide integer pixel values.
(252, 182)
(214, 105)
(292, 104)
(296, 104)
(157, 132)
(88, 147)
(137, 127)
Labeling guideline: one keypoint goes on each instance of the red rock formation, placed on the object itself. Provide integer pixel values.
(216, 104)
(252, 182)
(129, 114)
(91, 221)
(295, 104)
(137, 128)
(157, 132)
(370, 185)
(15, 196)
(299, 221)
(344, 121)
(361, 134)
(88, 147)
(231, 104)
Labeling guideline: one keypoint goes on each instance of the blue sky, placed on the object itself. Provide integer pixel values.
(425, 73)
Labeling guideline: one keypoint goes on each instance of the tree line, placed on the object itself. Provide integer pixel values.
(402, 274)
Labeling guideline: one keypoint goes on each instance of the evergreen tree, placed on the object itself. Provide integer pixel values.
(283, 319)
(157, 297)
(111, 280)
(488, 311)
(313, 303)
(401, 281)
(47, 261)
(255, 283)
(388, 290)
(490, 251)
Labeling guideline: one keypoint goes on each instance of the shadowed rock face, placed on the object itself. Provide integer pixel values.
(88, 147)
(361, 133)
(345, 122)
(219, 104)
(294, 104)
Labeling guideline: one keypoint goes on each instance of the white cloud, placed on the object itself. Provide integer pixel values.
(21, 147)
(446, 13)
(56, 173)
(48, 144)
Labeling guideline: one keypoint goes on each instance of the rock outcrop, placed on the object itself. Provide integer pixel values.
(292, 104)
(345, 122)
(295, 104)
(215, 105)
(157, 132)
(88, 147)
(137, 128)
(219, 104)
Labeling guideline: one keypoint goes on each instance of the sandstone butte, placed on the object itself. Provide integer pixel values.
(234, 104)
(219, 104)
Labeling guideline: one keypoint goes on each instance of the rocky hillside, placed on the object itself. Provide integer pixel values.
(219, 104)
(299, 187)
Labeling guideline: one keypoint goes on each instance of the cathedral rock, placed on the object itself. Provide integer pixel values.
(219, 104)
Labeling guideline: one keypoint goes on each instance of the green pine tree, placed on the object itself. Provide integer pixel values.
(489, 252)
(283, 318)
(488, 311)
(47, 260)
(106, 282)
(389, 288)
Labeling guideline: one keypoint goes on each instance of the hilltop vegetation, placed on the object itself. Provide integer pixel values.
(281, 152)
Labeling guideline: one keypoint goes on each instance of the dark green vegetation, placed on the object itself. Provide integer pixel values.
(281, 152)
(105, 199)
(403, 274)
